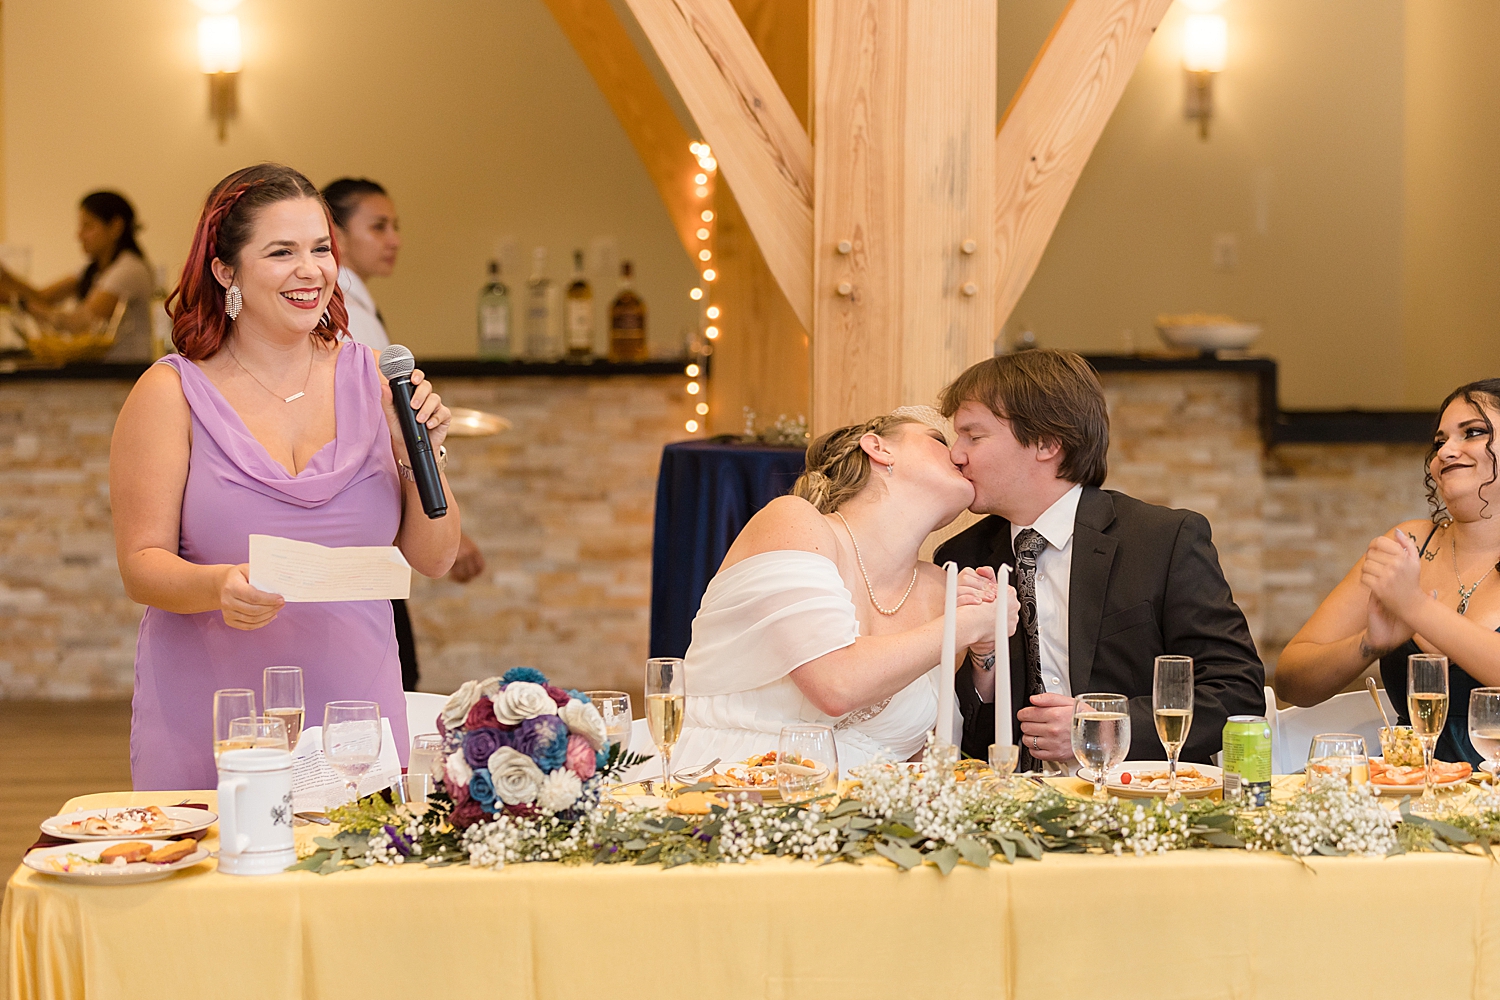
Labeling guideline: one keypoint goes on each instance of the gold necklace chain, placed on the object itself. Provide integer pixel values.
(869, 589)
(285, 399)
(1465, 593)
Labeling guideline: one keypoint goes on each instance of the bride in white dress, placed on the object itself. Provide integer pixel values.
(822, 611)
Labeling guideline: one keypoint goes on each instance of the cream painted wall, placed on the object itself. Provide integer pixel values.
(1303, 169)
(475, 114)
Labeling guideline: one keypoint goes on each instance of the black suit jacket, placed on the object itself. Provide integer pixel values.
(1145, 582)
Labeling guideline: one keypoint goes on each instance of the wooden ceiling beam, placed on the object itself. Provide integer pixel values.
(761, 147)
(1052, 125)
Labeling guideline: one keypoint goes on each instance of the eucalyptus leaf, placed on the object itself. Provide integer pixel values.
(973, 852)
(946, 859)
(905, 857)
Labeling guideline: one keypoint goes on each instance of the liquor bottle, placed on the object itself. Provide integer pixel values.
(494, 317)
(580, 331)
(541, 310)
(627, 321)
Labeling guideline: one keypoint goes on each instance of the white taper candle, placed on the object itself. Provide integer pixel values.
(950, 653)
(1002, 657)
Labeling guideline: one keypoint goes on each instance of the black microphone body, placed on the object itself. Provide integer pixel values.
(418, 444)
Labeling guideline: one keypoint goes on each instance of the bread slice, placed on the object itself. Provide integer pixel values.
(175, 851)
(132, 851)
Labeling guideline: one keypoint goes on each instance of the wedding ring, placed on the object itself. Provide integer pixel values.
(1034, 747)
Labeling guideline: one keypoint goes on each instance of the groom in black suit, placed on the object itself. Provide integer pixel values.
(1106, 582)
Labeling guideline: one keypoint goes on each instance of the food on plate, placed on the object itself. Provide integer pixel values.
(759, 770)
(121, 822)
(1189, 779)
(1400, 746)
(971, 768)
(175, 851)
(128, 852)
(693, 803)
(1407, 776)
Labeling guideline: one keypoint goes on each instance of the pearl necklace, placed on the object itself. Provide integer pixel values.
(868, 588)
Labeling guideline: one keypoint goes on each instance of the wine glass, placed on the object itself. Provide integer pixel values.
(1484, 727)
(1340, 756)
(807, 763)
(231, 704)
(1427, 702)
(258, 731)
(421, 766)
(666, 699)
(1172, 703)
(351, 740)
(614, 707)
(1101, 734)
(282, 688)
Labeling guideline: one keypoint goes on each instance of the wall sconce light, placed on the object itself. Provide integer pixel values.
(220, 58)
(1205, 41)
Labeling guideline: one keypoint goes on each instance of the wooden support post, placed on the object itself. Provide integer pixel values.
(903, 112)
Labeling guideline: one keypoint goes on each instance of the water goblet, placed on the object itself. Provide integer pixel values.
(1427, 703)
(258, 731)
(1003, 760)
(351, 740)
(281, 688)
(231, 704)
(807, 763)
(666, 701)
(614, 708)
(1338, 757)
(421, 766)
(1172, 704)
(1101, 734)
(1484, 727)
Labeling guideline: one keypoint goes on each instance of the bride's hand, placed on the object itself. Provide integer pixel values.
(976, 627)
(976, 586)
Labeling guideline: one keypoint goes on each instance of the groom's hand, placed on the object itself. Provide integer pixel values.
(1047, 726)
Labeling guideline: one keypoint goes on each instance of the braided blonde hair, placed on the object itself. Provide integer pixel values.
(837, 467)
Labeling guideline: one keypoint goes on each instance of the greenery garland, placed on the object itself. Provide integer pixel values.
(909, 818)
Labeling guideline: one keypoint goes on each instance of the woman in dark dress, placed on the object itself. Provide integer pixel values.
(1428, 586)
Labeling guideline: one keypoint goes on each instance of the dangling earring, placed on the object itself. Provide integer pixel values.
(233, 302)
(890, 470)
(326, 323)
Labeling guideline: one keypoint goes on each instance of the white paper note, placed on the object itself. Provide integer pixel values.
(305, 572)
(316, 787)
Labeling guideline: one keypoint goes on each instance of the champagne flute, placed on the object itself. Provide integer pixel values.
(351, 740)
(258, 731)
(1427, 702)
(666, 699)
(1172, 703)
(614, 707)
(1341, 756)
(1101, 734)
(807, 763)
(231, 704)
(1484, 727)
(282, 689)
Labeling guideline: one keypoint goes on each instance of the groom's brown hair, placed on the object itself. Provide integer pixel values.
(1048, 396)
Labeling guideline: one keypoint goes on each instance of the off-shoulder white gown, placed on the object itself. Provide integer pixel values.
(761, 619)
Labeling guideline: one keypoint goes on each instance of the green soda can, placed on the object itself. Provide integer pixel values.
(1247, 760)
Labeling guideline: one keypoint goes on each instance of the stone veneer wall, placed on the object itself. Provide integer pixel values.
(562, 508)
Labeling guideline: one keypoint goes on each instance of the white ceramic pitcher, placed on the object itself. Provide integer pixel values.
(255, 812)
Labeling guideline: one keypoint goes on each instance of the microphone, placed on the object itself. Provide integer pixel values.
(397, 364)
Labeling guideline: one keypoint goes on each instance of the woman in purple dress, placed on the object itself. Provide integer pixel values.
(269, 421)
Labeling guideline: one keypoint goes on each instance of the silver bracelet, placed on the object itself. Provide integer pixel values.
(986, 662)
(404, 471)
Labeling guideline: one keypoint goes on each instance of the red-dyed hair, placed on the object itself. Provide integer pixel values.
(199, 323)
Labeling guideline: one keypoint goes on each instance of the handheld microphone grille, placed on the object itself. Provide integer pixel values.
(396, 362)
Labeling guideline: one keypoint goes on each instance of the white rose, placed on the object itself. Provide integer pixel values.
(560, 790)
(584, 719)
(515, 776)
(459, 771)
(523, 700)
(456, 708)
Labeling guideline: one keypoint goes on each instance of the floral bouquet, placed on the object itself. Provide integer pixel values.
(518, 746)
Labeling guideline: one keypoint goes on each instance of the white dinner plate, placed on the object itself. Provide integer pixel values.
(137, 871)
(1117, 787)
(184, 821)
(1415, 791)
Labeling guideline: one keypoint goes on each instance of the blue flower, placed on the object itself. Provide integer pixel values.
(601, 758)
(577, 695)
(482, 790)
(524, 674)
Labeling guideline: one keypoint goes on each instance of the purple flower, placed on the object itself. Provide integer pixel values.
(544, 739)
(400, 843)
(480, 743)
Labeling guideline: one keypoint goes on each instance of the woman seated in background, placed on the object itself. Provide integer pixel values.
(269, 421)
(823, 611)
(1426, 586)
(116, 272)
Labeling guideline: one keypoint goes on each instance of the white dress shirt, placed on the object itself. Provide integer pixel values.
(364, 320)
(1054, 573)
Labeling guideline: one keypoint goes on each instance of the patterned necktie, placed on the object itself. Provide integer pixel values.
(1028, 543)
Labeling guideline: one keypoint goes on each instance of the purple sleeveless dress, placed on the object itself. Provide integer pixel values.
(348, 495)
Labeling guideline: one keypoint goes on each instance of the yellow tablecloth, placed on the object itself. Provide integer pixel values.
(1190, 924)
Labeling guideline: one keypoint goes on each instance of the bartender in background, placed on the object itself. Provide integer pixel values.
(116, 272)
(369, 237)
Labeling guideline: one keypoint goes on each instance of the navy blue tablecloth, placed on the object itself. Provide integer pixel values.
(704, 495)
